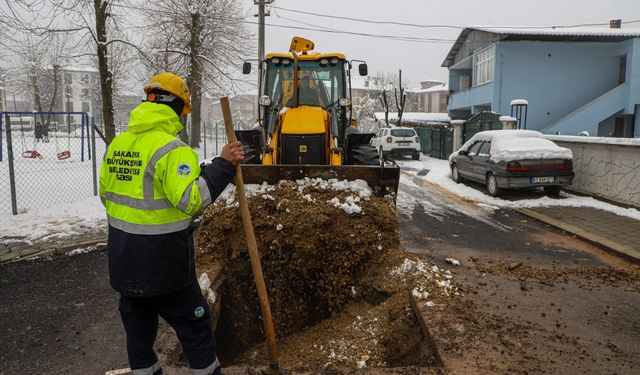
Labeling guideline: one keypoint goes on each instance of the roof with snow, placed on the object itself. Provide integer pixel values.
(415, 116)
(437, 88)
(546, 34)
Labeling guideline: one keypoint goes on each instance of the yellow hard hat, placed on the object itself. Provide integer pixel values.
(173, 84)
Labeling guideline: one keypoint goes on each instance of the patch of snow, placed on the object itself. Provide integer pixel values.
(508, 118)
(519, 102)
(82, 250)
(597, 140)
(279, 227)
(455, 262)
(205, 287)
(350, 205)
(58, 222)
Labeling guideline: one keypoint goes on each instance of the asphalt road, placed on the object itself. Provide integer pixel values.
(59, 316)
(569, 307)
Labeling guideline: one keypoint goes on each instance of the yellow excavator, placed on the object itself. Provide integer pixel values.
(306, 126)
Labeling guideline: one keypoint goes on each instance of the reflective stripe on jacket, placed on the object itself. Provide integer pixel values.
(150, 181)
(152, 185)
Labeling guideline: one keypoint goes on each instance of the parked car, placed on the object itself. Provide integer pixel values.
(512, 159)
(397, 141)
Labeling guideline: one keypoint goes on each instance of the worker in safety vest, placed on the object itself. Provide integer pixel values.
(152, 186)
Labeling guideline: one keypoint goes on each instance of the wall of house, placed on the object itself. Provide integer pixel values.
(558, 78)
(607, 168)
(476, 96)
(637, 122)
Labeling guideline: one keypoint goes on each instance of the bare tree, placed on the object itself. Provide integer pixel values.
(400, 100)
(199, 39)
(385, 105)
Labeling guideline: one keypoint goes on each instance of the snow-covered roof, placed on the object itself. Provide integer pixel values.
(358, 83)
(508, 145)
(437, 88)
(549, 33)
(600, 140)
(416, 116)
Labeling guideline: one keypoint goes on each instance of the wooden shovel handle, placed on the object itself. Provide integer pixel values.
(258, 277)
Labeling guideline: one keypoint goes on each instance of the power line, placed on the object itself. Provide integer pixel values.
(436, 26)
(366, 20)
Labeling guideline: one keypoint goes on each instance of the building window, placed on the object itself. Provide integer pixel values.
(484, 66)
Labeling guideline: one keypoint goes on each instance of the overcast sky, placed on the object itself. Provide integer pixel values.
(420, 61)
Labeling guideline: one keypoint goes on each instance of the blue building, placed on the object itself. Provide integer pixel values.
(574, 79)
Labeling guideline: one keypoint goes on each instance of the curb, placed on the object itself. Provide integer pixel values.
(613, 247)
(57, 250)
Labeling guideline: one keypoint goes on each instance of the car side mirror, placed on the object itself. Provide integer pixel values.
(463, 152)
(363, 70)
(246, 67)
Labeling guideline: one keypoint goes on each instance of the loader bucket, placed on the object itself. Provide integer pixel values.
(382, 180)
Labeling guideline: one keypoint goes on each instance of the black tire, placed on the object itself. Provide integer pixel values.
(416, 156)
(455, 174)
(364, 154)
(251, 154)
(553, 191)
(492, 185)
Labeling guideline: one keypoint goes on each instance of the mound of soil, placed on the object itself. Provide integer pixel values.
(338, 285)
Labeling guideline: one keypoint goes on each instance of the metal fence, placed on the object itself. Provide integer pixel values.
(482, 121)
(43, 166)
(436, 142)
(46, 163)
(213, 138)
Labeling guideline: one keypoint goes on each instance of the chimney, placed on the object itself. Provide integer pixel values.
(615, 24)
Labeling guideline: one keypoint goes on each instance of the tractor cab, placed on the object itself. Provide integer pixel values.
(305, 116)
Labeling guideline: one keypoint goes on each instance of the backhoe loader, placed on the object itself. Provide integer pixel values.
(306, 126)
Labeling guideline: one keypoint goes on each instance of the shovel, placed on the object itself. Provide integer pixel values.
(258, 277)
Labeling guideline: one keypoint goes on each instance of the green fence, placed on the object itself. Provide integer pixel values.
(436, 142)
(481, 122)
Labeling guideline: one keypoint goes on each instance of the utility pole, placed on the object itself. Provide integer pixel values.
(262, 13)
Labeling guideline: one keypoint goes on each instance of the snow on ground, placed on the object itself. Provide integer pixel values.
(440, 174)
(59, 222)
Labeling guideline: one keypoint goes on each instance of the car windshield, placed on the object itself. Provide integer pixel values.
(321, 83)
(403, 133)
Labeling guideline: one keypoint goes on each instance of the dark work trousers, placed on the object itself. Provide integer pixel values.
(186, 311)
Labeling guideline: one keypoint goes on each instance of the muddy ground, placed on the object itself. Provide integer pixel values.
(330, 257)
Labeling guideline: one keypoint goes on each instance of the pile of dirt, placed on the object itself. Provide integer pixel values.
(338, 284)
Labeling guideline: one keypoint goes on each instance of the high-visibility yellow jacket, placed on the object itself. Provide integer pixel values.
(151, 185)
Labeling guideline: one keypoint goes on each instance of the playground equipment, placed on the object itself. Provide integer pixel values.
(66, 154)
(7, 120)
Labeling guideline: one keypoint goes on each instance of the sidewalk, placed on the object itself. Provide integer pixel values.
(620, 234)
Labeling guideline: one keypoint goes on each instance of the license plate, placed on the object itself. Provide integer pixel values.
(542, 180)
(404, 143)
